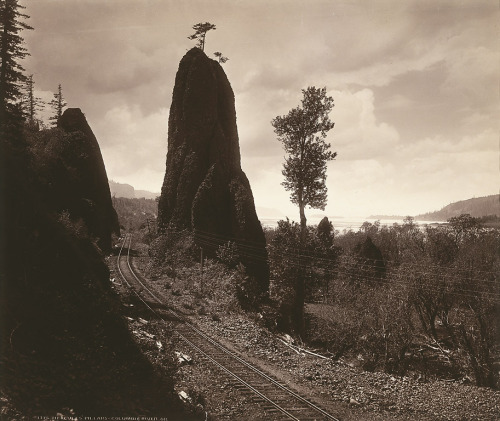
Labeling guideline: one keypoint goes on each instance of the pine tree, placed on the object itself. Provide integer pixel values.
(12, 51)
(200, 34)
(220, 57)
(57, 105)
(302, 132)
(31, 103)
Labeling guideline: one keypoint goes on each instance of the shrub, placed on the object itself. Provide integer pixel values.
(228, 254)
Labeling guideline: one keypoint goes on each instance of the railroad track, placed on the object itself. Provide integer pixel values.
(279, 401)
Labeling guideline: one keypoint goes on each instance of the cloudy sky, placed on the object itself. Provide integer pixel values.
(415, 85)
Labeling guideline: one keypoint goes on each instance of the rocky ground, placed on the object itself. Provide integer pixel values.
(342, 388)
(368, 395)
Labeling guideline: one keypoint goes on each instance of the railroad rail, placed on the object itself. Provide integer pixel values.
(278, 400)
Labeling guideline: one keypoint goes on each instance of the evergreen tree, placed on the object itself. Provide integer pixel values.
(303, 131)
(201, 30)
(12, 51)
(57, 105)
(220, 57)
(31, 103)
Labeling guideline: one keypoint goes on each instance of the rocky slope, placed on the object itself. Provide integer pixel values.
(64, 347)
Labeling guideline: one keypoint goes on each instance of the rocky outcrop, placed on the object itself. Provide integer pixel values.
(93, 203)
(63, 340)
(71, 172)
(205, 189)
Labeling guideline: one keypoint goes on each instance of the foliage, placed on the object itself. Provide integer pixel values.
(297, 269)
(325, 232)
(58, 103)
(370, 264)
(77, 228)
(302, 132)
(220, 57)
(201, 30)
(12, 52)
(248, 291)
(64, 343)
(136, 214)
(436, 311)
(31, 104)
(389, 332)
(227, 253)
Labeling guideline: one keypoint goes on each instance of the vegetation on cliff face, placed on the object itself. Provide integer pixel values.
(136, 215)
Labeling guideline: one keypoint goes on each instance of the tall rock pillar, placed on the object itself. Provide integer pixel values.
(205, 189)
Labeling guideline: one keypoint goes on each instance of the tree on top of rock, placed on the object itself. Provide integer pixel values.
(201, 30)
(221, 58)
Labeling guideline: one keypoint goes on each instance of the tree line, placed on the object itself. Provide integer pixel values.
(18, 101)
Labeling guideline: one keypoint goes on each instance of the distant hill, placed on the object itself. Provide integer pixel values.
(267, 213)
(476, 207)
(128, 191)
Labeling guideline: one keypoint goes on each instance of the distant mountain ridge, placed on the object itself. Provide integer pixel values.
(128, 191)
(476, 207)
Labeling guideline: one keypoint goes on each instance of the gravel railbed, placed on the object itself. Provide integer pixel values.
(373, 394)
(346, 391)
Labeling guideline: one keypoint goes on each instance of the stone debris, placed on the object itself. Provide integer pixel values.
(140, 333)
(184, 396)
(183, 358)
(342, 381)
(159, 345)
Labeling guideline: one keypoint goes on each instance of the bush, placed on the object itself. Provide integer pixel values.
(228, 254)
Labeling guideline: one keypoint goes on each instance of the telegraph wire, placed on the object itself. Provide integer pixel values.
(298, 260)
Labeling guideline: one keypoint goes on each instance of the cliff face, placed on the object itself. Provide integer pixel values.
(63, 341)
(96, 206)
(205, 189)
(76, 178)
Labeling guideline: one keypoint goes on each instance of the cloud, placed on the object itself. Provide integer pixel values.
(415, 85)
(134, 145)
(357, 133)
